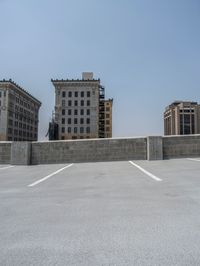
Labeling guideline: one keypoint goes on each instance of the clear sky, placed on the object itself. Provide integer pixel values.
(146, 53)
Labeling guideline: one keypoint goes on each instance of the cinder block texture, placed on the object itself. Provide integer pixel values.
(154, 148)
(21, 153)
(89, 150)
(181, 146)
(5, 152)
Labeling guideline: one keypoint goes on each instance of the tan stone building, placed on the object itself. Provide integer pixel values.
(19, 112)
(80, 108)
(182, 118)
(108, 118)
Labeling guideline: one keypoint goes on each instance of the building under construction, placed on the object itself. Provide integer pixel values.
(81, 110)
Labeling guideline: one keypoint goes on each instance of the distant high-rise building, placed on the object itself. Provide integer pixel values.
(80, 108)
(181, 118)
(18, 113)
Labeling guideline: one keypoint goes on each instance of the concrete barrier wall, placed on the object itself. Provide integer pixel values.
(5, 152)
(88, 150)
(94, 150)
(181, 146)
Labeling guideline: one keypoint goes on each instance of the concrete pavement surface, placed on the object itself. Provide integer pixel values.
(110, 213)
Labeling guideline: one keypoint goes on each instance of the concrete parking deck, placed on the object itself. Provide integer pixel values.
(110, 213)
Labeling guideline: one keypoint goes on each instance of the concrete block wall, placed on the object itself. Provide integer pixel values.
(88, 150)
(94, 150)
(5, 152)
(181, 146)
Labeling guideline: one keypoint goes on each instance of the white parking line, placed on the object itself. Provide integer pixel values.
(146, 172)
(48, 176)
(196, 160)
(6, 167)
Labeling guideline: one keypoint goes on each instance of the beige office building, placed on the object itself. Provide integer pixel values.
(182, 118)
(80, 108)
(19, 112)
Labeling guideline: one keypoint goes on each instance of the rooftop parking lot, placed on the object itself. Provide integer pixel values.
(110, 213)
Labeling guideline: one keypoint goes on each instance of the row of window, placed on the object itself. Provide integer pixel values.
(76, 93)
(82, 103)
(69, 121)
(187, 111)
(69, 112)
(76, 129)
(22, 139)
(21, 133)
(20, 109)
(24, 119)
(26, 104)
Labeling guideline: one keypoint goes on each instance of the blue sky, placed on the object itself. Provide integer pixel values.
(146, 53)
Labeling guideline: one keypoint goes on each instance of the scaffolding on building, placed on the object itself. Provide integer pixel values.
(101, 112)
(53, 129)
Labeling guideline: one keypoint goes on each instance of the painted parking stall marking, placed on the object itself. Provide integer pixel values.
(146, 172)
(48, 176)
(6, 167)
(195, 160)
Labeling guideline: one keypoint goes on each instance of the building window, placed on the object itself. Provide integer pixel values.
(69, 130)
(88, 120)
(63, 120)
(82, 93)
(75, 120)
(69, 112)
(69, 103)
(75, 112)
(107, 122)
(107, 115)
(76, 94)
(63, 102)
(82, 120)
(75, 103)
(107, 129)
(63, 130)
(88, 102)
(69, 94)
(88, 111)
(69, 121)
(75, 129)
(88, 129)
(82, 103)
(81, 129)
(63, 94)
(63, 111)
(82, 111)
(88, 93)
(107, 109)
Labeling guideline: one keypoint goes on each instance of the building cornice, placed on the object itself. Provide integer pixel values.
(11, 82)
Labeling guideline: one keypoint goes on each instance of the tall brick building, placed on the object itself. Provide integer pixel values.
(80, 108)
(19, 112)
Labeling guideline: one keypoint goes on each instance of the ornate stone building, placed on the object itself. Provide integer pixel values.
(80, 108)
(18, 113)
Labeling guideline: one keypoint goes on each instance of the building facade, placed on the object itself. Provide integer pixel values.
(182, 118)
(19, 112)
(108, 118)
(80, 107)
